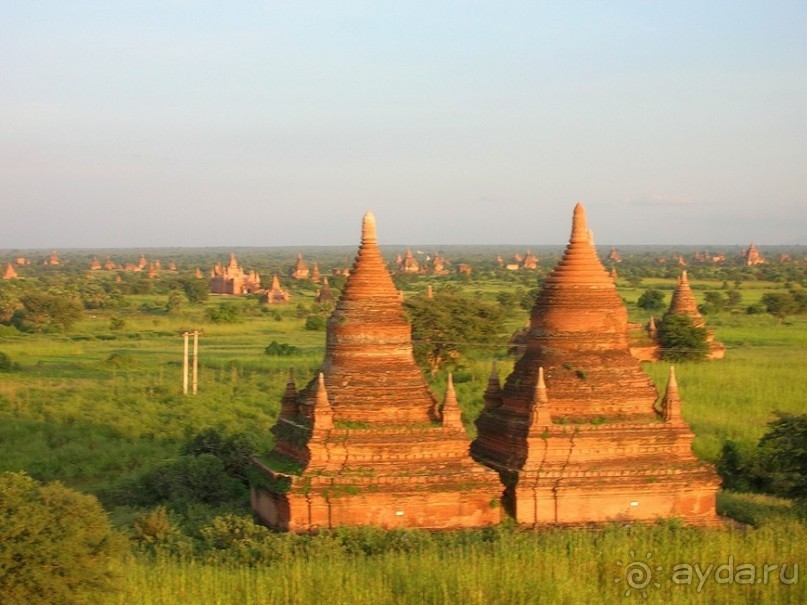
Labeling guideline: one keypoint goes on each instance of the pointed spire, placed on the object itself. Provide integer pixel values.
(579, 227)
(288, 403)
(540, 416)
(275, 282)
(493, 394)
(368, 233)
(451, 414)
(671, 404)
(323, 412)
(683, 301)
(652, 330)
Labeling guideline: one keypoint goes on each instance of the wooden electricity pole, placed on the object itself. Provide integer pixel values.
(195, 360)
(185, 366)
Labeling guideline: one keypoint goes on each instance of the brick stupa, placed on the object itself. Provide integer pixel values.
(365, 443)
(683, 302)
(574, 433)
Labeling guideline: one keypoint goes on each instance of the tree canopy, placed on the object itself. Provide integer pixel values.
(56, 545)
(681, 340)
(448, 325)
(651, 299)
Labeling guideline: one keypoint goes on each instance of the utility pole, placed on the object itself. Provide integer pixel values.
(195, 360)
(185, 366)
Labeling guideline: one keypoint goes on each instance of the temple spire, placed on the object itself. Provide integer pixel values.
(368, 233)
(451, 414)
(323, 412)
(579, 226)
(671, 404)
(540, 416)
(288, 404)
(493, 394)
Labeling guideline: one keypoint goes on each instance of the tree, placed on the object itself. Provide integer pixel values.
(448, 325)
(174, 303)
(780, 304)
(714, 302)
(783, 455)
(280, 349)
(196, 290)
(224, 313)
(56, 545)
(651, 300)
(733, 299)
(681, 340)
(42, 311)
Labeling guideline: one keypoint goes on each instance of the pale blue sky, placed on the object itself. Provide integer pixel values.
(192, 123)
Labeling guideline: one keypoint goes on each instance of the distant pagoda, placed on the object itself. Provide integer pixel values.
(574, 432)
(365, 442)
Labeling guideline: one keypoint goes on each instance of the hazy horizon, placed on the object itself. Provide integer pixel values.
(194, 125)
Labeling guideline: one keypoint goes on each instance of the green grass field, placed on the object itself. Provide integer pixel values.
(97, 407)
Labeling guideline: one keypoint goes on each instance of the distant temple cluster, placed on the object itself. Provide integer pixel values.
(576, 433)
(435, 264)
(232, 279)
(528, 262)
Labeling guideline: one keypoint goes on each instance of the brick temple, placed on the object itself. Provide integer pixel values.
(366, 442)
(575, 433)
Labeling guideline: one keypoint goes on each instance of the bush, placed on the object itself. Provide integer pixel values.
(235, 452)
(681, 340)
(280, 349)
(196, 290)
(778, 465)
(224, 313)
(315, 322)
(42, 311)
(189, 479)
(651, 300)
(5, 363)
(57, 544)
(783, 454)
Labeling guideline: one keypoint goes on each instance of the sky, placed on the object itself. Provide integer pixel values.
(201, 123)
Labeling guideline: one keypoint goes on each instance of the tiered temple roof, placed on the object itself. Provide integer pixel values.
(324, 294)
(751, 256)
(574, 432)
(10, 272)
(231, 279)
(683, 301)
(408, 263)
(366, 438)
(275, 295)
(300, 269)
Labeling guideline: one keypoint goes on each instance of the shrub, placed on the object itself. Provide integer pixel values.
(57, 544)
(189, 479)
(280, 349)
(681, 340)
(651, 300)
(117, 323)
(42, 311)
(224, 313)
(5, 363)
(196, 290)
(315, 322)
